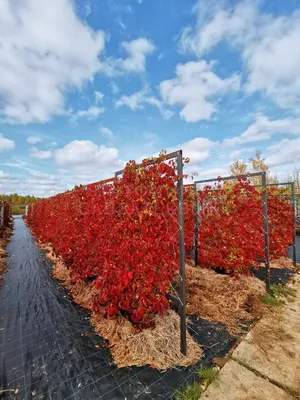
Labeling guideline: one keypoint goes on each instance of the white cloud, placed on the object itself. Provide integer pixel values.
(45, 50)
(269, 45)
(137, 101)
(284, 152)
(88, 161)
(90, 114)
(135, 62)
(198, 149)
(107, 133)
(6, 144)
(212, 172)
(263, 129)
(98, 97)
(34, 139)
(236, 154)
(40, 154)
(273, 61)
(195, 89)
(214, 23)
(41, 185)
(137, 51)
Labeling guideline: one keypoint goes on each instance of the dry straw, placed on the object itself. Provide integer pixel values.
(222, 298)
(158, 346)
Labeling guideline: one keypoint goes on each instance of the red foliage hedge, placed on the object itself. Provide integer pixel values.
(231, 235)
(123, 235)
(281, 222)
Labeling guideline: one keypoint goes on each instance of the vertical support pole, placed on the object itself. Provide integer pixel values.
(181, 252)
(266, 229)
(196, 225)
(294, 216)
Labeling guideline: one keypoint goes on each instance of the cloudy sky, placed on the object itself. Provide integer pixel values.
(87, 85)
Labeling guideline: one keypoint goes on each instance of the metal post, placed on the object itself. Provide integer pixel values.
(196, 225)
(266, 229)
(294, 214)
(181, 252)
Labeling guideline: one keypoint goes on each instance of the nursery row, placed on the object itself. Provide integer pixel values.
(230, 225)
(123, 235)
(5, 214)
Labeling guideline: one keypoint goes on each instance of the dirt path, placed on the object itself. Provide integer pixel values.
(266, 364)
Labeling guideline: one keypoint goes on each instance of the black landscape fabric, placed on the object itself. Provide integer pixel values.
(48, 349)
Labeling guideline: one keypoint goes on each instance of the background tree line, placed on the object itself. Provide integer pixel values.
(17, 202)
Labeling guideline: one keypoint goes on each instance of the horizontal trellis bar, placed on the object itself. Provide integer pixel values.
(227, 178)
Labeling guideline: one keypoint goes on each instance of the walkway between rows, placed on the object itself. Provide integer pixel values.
(48, 349)
(266, 364)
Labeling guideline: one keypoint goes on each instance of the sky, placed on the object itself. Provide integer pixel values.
(87, 85)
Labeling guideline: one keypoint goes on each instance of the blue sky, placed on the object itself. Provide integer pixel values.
(88, 85)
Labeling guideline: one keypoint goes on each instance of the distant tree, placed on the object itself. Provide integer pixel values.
(238, 168)
(18, 202)
(255, 164)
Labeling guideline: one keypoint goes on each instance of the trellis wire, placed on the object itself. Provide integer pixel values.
(265, 216)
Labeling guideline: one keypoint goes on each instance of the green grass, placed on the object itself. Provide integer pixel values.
(190, 392)
(271, 301)
(281, 290)
(276, 292)
(207, 373)
(18, 210)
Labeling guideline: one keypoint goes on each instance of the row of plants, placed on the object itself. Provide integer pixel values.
(231, 228)
(123, 235)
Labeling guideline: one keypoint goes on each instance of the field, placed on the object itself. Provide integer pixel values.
(114, 249)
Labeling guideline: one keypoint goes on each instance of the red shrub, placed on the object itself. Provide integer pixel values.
(123, 235)
(281, 223)
(230, 227)
(189, 219)
(231, 235)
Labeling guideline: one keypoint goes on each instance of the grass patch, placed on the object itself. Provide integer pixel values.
(190, 392)
(207, 373)
(282, 290)
(194, 390)
(276, 292)
(271, 301)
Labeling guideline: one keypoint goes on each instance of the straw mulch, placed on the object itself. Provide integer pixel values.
(282, 262)
(5, 235)
(222, 298)
(158, 346)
